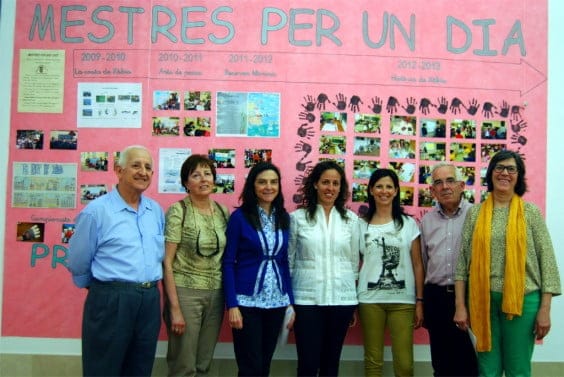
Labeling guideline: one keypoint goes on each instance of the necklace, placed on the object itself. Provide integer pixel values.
(197, 224)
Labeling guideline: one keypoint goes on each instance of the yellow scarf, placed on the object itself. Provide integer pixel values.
(514, 274)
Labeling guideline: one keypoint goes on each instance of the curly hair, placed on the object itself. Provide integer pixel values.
(309, 192)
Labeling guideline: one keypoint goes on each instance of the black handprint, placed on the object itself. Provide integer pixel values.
(392, 105)
(455, 105)
(376, 105)
(301, 165)
(297, 198)
(305, 131)
(303, 147)
(517, 126)
(488, 109)
(309, 103)
(354, 104)
(516, 112)
(518, 139)
(504, 109)
(473, 106)
(424, 106)
(341, 101)
(362, 210)
(310, 117)
(321, 99)
(411, 105)
(443, 105)
(300, 180)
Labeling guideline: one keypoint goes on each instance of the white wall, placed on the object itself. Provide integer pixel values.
(552, 348)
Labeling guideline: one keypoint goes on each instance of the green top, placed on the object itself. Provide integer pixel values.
(201, 242)
(541, 272)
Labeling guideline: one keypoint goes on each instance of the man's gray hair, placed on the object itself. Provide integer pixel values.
(457, 174)
(124, 154)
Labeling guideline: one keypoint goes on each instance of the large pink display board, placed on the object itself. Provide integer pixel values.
(371, 84)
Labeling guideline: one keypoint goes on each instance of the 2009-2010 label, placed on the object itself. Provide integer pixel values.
(106, 56)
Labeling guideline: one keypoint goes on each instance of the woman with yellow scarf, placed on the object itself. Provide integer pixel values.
(506, 272)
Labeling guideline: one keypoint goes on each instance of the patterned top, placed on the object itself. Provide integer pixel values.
(201, 242)
(540, 265)
(270, 296)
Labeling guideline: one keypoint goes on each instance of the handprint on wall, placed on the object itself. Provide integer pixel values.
(516, 112)
(424, 106)
(302, 165)
(354, 104)
(455, 105)
(340, 102)
(303, 147)
(488, 110)
(473, 106)
(322, 98)
(443, 105)
(305, 130)
(411, 105)
(310, 104)
(504, 109)
(376, 106)
(392, 105)
(310, 117)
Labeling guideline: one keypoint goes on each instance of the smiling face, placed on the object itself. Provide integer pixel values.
(137, 173)
(328, 187)
(445, 187)
(200, 182)
(504, 181)
(267, 187)
(384, 191)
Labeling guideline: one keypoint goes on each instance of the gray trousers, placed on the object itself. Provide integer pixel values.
(191, 353)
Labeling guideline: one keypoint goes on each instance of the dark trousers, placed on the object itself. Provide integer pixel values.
(320, 333)
(452, 353)
(255, 343)
(120, 327)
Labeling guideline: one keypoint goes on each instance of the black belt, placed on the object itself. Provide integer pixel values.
(127, 284)
(446, 288)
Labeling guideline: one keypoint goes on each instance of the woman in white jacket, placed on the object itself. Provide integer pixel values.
(324, 260)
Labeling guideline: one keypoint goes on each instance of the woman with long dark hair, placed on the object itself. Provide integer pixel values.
(324, 263)
(256, 276)
(390, 287)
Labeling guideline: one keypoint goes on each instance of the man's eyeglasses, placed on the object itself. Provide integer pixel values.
(511, 169)
(448, 182)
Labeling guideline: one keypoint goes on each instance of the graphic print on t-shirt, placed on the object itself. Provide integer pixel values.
(391, 270)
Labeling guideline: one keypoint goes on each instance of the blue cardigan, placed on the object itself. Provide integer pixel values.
(243, 257)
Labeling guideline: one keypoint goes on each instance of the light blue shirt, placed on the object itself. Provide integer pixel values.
(113, 242)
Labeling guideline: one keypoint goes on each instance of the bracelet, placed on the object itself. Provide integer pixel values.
(419, 299)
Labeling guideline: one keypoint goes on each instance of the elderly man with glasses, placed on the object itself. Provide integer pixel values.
(452, 353)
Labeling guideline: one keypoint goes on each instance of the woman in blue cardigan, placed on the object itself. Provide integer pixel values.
(256, 274)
